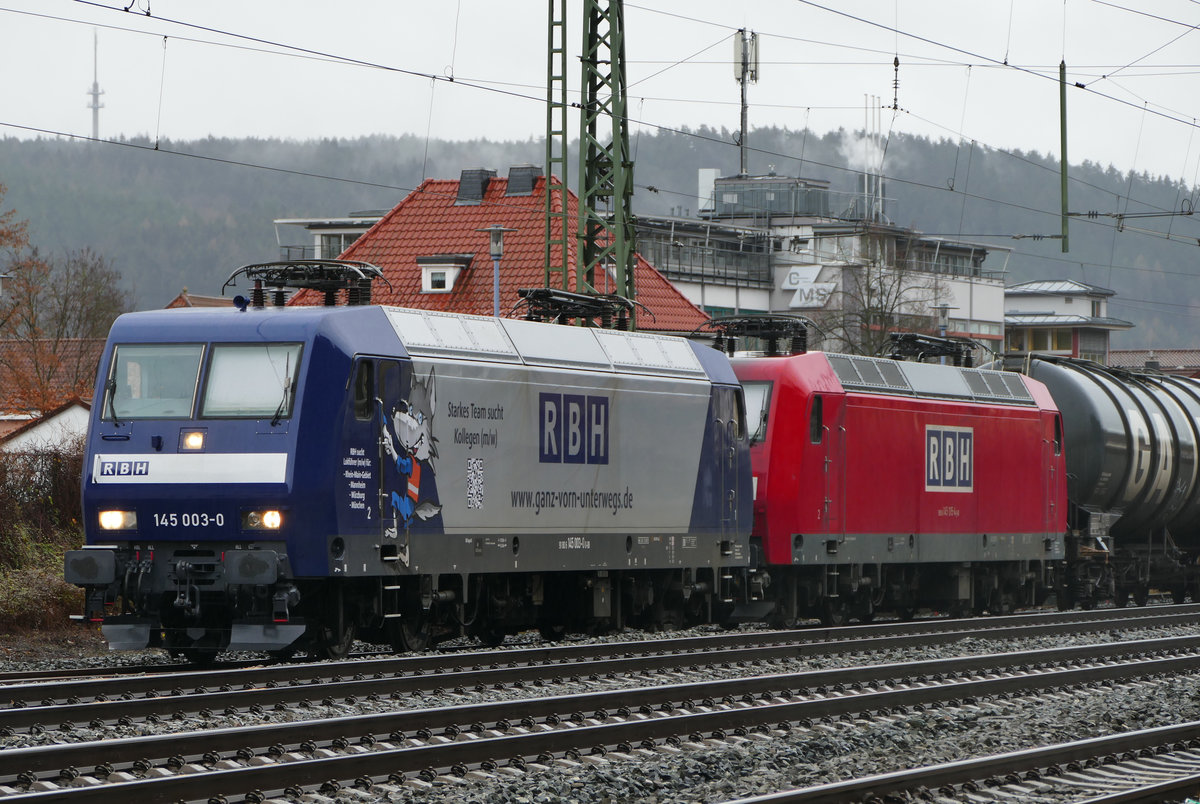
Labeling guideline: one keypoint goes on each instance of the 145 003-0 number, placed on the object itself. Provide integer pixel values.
(188, 520)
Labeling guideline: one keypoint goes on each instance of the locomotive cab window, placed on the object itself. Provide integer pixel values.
(251, 381)
(758, 405)
(152, 381)
(816, 422)
(364, 390)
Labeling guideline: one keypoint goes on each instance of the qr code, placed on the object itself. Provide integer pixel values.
(474, 482)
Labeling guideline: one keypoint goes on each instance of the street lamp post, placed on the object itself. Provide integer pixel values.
(496, 251)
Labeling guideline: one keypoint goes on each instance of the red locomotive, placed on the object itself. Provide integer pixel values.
(883, 485)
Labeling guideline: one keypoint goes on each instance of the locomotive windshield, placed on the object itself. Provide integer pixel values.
(152, 381)
(758, 404)
(251, 380)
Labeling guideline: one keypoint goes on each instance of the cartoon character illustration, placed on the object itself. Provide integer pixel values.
(412, 447)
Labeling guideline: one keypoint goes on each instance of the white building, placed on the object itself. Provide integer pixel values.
(776, 244)
(1061, 317)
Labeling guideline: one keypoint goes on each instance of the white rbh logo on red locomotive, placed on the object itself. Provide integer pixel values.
(949, 458)
(121, 468)
(573, 428)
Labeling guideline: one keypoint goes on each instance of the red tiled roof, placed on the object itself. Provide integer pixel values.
(41, 375)
(185, 299)
(10, 433)
(428, 223)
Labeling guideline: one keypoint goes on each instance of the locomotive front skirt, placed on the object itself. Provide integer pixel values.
(252, 472)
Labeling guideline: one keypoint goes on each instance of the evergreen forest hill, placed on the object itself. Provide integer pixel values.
(188, 213)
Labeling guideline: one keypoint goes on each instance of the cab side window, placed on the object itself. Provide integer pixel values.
(364, 390)
(816, 421)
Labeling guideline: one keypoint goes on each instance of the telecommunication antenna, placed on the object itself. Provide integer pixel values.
(95, 91)
(745, 70)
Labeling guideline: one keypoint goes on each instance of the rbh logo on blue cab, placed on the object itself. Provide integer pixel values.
(124, 468)
(572, 428)
(949, 458)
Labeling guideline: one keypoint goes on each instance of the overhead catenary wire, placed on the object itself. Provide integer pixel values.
(661, 128)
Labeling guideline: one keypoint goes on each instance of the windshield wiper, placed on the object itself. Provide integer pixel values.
(287, 387)
(110, 389)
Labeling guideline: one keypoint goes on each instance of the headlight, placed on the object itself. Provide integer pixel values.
(262, 520)
(191, 440)
(118, 520)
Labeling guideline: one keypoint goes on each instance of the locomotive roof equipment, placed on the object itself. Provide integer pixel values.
(770, 328)
(325, 276)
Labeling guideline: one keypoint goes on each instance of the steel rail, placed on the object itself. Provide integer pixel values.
(854, 639)
(1185, 785)
(273, 693)
(578, 733)
(1096, 619)
(997, 765)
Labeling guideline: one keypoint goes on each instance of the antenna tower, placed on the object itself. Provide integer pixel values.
(745, 70)
(95, 91)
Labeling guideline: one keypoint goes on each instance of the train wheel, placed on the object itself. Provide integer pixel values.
(552, 632)
(201, 652)
(1141, 594)
(1121, 598)
(833, 613)
(410, 634)
(328, 643)
(1064, 599)
(491, 635)
(1178, 594)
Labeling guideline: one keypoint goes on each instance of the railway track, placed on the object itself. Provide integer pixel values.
(1148, 766)
(880, 636)
(62, 704)
(487, 739)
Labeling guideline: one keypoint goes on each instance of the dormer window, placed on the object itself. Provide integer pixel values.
(440, 272)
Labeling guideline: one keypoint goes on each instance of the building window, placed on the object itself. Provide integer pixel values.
(439, 272)
(1097, 309)
(1063, 340)
(332, 245)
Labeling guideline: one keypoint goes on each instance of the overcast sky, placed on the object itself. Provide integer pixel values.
(1138, 59)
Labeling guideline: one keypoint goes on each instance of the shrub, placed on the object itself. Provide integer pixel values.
(37, 598)
(39, 520)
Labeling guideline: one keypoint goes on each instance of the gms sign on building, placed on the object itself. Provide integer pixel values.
(781, 244)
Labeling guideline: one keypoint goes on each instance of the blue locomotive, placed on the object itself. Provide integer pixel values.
(266, 477)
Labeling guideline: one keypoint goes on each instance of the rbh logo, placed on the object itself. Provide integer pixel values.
(949, 458)
(124, 468)
(572, 428)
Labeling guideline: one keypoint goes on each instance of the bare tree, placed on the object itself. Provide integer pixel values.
(13, 233)
(53, 318)
(878, 294)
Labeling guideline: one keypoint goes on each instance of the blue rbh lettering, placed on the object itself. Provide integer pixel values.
(573, 405)
(949, 458)
(550, 428)
(572, 428)
(966, 445)
(597, 448)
